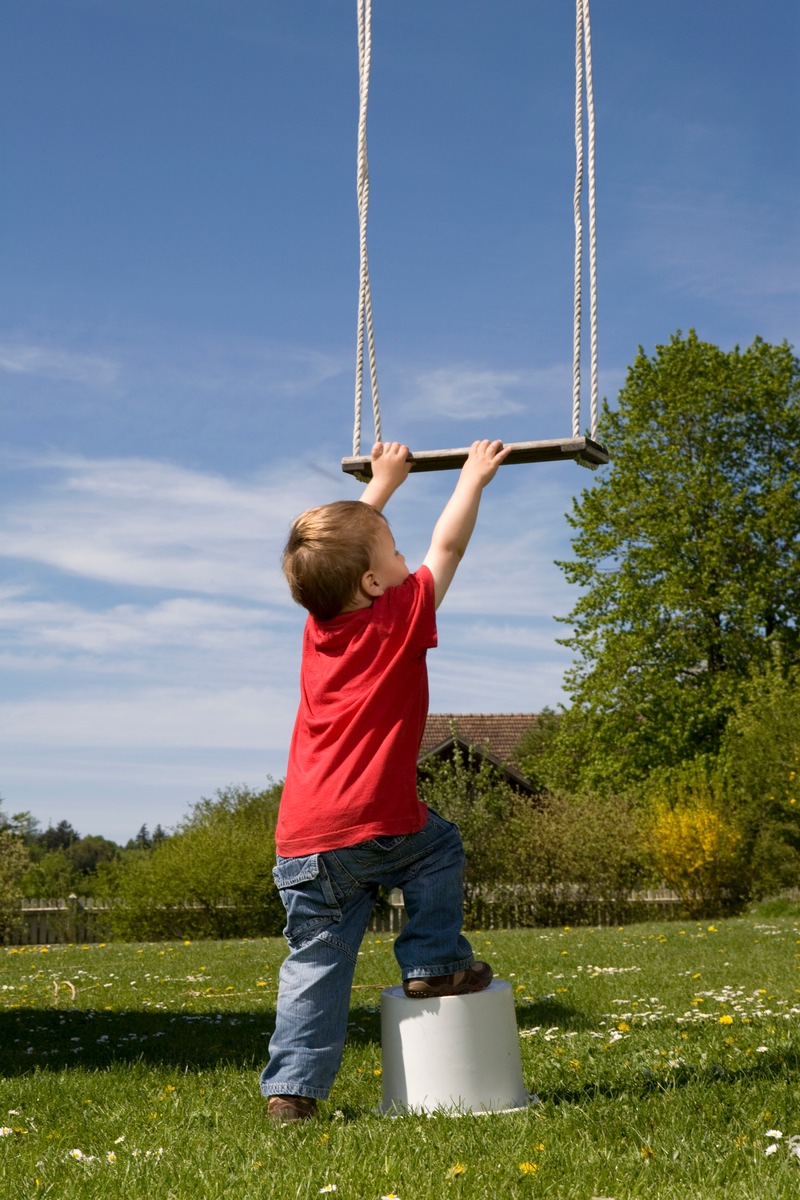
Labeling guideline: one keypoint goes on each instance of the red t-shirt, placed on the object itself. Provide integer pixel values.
(363, 703)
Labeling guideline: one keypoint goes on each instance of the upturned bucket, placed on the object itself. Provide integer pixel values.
(455, 1054)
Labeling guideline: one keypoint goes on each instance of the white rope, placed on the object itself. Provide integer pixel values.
(362, 186)
(583, 83)
(583, 86)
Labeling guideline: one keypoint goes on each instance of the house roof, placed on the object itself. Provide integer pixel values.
(499, 733)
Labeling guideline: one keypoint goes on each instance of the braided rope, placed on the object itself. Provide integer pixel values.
(365, 327)
(583, 83)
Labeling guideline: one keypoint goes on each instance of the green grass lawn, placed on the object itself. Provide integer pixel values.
(664, 1060)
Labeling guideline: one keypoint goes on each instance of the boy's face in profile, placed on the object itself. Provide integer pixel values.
(388, 565)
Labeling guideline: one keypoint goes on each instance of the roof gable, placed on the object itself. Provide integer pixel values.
(498, 733)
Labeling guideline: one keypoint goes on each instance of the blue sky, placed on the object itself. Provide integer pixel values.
(178, 290)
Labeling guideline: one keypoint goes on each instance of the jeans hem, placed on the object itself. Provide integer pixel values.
(292, 1089)
(439, 969)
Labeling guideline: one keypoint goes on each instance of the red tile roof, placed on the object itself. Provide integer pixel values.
(499, 733)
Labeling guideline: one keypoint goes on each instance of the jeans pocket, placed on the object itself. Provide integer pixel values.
(307, 895)
(389, 843)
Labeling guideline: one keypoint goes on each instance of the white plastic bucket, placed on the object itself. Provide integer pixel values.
(456, 1054)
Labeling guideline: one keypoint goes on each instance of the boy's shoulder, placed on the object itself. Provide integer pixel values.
(410, 601)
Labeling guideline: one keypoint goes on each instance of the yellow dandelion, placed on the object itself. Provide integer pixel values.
(647, 1153)
(726, 1020)
(456, 1170)
(528, 1168)
(624, 1027)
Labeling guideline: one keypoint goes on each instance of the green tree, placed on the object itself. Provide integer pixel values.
(58, 837)
(14, 860)
(211, 878)
(89, 852)
(23, 824)
(687, 554)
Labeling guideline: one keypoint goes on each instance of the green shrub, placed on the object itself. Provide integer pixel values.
(53, 875)
(585, 856)
(14, 860)
(211, 878)
(568, 860)
(490, 814)
(761, 760)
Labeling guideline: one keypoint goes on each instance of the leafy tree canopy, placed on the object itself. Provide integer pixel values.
(687, 554)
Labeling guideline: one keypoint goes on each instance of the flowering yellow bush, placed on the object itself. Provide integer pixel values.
(694, 848)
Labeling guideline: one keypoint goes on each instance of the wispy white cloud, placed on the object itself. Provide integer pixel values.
(149, 719)
(156, 525)
(23, 356)
(129, 639)
(468, 683)
(462, 393)
(145, 361)
(472, 393)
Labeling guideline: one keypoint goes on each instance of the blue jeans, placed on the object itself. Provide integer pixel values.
(329, 899)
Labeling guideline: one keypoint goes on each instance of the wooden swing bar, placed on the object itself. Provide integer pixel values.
(581, 449)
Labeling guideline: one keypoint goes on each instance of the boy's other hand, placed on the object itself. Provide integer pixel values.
(390, 462)
(390, 468)
(484, 458)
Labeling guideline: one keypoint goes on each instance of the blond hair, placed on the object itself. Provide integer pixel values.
(328, 551)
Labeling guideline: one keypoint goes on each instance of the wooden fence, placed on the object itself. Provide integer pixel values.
(82, 920)
(67, 921)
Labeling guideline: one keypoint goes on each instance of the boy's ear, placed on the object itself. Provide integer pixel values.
(369, 584)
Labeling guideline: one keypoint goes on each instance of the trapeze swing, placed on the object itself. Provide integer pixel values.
(586, 451)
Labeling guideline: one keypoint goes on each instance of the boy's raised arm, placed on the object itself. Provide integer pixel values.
(454, 528)
(390, 468)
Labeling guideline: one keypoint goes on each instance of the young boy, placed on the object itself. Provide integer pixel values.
(350, 819)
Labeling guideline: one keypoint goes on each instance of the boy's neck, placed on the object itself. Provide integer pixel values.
(356, 605)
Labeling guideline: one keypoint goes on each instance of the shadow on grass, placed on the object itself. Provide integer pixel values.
(55, 1039)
